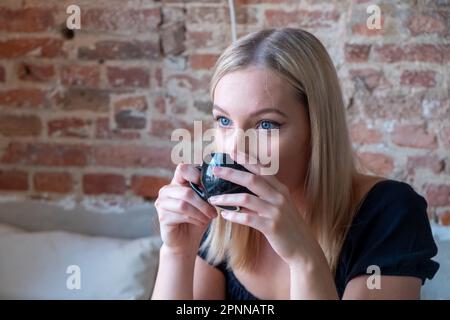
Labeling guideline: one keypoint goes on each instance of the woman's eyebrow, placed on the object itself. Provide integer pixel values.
(256, 113)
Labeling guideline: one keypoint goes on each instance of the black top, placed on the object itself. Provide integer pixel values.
(390, 230)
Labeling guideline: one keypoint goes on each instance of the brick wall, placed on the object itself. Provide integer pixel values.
(86, 116)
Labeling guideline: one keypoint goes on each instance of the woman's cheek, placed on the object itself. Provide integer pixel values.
(273, 152)
(220, 142)
(292, 161)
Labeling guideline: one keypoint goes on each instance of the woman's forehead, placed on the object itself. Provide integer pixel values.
(252, 89)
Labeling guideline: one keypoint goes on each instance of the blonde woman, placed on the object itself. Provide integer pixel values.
(318, 228)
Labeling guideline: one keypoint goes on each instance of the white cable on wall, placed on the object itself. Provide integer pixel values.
(233, 20)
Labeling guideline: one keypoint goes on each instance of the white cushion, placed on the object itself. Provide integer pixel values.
(36, 265)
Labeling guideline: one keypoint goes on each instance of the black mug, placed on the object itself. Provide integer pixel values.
(211, 185)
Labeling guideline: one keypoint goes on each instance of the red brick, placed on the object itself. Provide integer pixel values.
(128, 119)
(103, 183)
(20, 126)
(13, 180)
(188, 81)
(89, 99)
(203, 105)
(377, 163)
(26, 19)
(2, 74)
(157, 77)
(419, 78)
(202, 61)
(35, 72)
(438, 195)
(244, 2)
(120, 50)
(172, 38)
(206, 15)
(160, 104)
(218, 15)
(246, 15)
(371, 78)
(445, 137)
(414, 136)
(128, 77)
(121, 20)
(198, 39)
(433, 163)
(57, 182)
(36, 47)
(130, 112)
(361, 134)
(357, 52)
(78, 75)
(148, 186)
(163, 128)
(393, 104)
(136, 156)
(46, 154)
(390, 53)
(362, 29)
(301, 18)
(176, 106)
(69, 127)
(22, 98)
(172, 14)
(444, 218)
(425, 23)
(104, 131)
(437, 53)
(138, 103)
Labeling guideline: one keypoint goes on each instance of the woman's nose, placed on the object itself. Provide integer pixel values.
(240, 143)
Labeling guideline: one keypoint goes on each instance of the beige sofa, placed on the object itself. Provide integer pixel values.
(43, 246)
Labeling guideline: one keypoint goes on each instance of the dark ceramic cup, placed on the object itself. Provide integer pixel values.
(211, 185)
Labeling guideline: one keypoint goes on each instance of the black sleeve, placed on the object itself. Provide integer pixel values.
(392, 232)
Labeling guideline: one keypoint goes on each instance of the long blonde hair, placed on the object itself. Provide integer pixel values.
(303, 61)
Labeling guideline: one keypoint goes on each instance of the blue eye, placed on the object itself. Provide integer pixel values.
(223, 121)
(268, 125)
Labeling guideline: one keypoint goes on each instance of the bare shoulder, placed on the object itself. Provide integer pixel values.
(392, 288)
(209, 282)
(363, 184)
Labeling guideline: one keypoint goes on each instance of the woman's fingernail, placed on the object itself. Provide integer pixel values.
(212, 199)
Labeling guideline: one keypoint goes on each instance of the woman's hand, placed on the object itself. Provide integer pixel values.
(183, 215)
(272, 212)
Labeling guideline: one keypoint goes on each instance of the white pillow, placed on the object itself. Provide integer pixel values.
(438, 288)
(50, 265)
